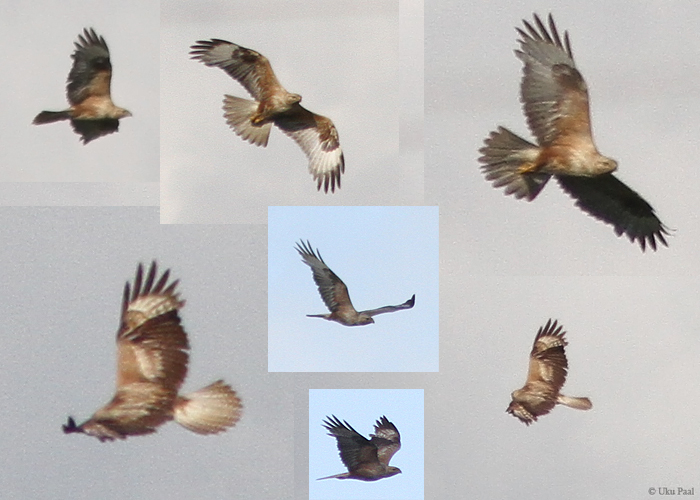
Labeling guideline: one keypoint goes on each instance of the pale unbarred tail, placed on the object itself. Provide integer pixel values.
(51, 116)
(344, 475)
(578, 403)
(238, 112)
(209, 410)
(503, 156)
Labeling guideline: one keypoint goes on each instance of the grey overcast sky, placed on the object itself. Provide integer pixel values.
(640, 62)
(342, 56)
(506, 266)
(38, 38)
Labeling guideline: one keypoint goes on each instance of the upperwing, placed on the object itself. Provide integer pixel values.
(548, 359)
(248, 67)
(387, 440)
(387, 309)
(152, 345)
(91, 73)
(332, 289)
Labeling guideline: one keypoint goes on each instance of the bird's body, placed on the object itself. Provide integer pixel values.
(152, 358)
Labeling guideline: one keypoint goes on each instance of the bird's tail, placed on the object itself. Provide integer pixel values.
(578, 403)
(50, 117)
(505, 156)
(324, 316)
(344, 475)
(238, 113)
(209, 410)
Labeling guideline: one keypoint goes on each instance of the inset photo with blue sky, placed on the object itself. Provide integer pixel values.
(384, 255)
(361, 408)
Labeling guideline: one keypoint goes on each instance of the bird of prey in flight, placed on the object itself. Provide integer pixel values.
(545, 378)
(152, 362)
(365, 459)
(555, 102)
(335, 294)
(92, 112)
(272, 104)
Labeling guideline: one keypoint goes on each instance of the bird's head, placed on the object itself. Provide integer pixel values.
(392, 471)
(606, 165)
(519, 411)
(365, 320)
(122, 113)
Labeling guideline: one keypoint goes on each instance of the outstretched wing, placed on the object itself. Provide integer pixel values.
(91, 73)
(553, 92)
(318, 138)
(547, 359)
(332, 289)
(388, 309)
(152, 345)
(355, 450)
(89, 130)
(249, 68)
(608, 199)
(387, 440)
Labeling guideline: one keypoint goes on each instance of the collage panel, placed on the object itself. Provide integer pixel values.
(395, 416)
(395, 265)
(631, 348)
(643, 111)
(50, 45)
(341, 58)
(64, 273)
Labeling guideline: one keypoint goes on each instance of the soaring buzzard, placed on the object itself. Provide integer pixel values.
(366, 459)
(335, 294)
(555, 102)
(252, 120)
(92, 112)
(151, 366)
(545, 378)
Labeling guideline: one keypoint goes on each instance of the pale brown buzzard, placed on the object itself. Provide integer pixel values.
(366, 459)
(555, 102)
(545, 378)
(92, 112)
(151, 366)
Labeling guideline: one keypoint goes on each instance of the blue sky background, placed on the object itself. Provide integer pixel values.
(384, 255)
(361, 408)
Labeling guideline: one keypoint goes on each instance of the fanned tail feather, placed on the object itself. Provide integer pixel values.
(503, 155)
(238, 112)
(209, 410)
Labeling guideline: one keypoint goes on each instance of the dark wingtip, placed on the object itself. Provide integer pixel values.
(411, 302)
